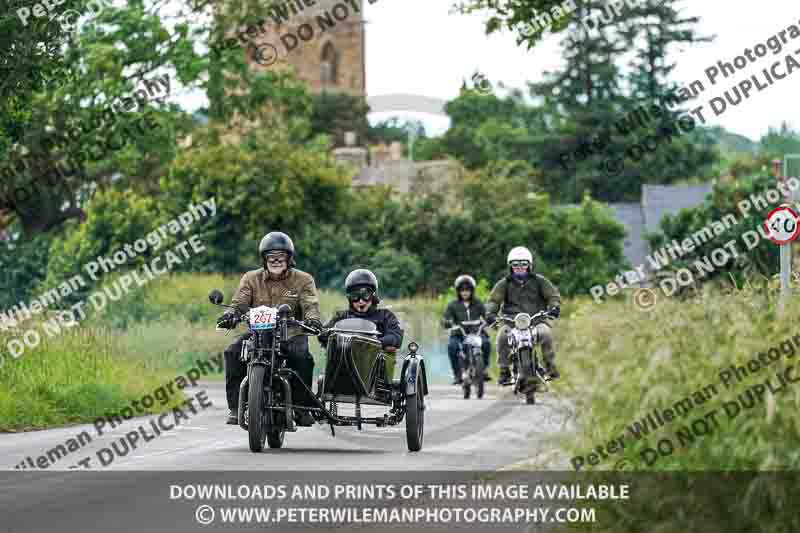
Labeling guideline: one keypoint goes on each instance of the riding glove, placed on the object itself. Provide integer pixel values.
(555, 312)
(315, 324)
(227, 320)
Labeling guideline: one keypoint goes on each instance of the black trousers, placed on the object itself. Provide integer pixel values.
(452, 351)
(300, 360)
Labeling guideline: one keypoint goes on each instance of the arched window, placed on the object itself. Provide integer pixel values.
(330, 64)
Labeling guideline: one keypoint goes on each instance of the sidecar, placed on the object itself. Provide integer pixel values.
(360, 372)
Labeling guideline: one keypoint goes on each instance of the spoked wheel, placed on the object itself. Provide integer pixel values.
(261, 423)
(415, 417)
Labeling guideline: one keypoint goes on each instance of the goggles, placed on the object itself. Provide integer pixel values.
(276, 257)
(520, 264)
(364, 293)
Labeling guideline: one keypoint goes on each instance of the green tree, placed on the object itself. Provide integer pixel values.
(336, 113)
(261, 181)
(780, 141)
(519, 16)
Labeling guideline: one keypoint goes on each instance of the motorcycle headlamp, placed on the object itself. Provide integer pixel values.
(522, 321)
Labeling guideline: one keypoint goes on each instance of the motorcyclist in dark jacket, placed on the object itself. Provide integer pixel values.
(464, 308)
(361, 287)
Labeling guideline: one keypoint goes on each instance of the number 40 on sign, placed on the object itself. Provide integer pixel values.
(783, 225)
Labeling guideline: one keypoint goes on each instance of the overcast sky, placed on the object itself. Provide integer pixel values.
(419, 47)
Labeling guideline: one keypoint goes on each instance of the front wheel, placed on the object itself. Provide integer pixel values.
(261, 427)
(527, 375)
(256, 425)
(479, 381)
(415, 416)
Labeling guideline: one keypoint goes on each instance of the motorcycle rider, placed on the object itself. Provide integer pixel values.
(465, 307)
(524, 291)
(278, 282)
(361, 287)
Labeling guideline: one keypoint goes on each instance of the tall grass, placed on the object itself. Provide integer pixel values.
(72, 378)
(620, 363)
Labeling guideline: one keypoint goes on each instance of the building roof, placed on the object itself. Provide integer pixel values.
(631, 216)
(661, 200)
(657, 201)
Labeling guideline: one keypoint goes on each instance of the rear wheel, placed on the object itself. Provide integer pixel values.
(467, 389)
(415, 416)
(275, 433)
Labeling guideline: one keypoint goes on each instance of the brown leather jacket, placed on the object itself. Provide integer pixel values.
(295, 287)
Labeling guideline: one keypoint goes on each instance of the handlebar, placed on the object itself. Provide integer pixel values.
(534, 318)
(468, 323)
(302, 325)
(239, 317)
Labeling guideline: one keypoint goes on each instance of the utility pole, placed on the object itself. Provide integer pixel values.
(785, 248)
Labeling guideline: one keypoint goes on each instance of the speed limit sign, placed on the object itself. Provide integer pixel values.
(783, 225)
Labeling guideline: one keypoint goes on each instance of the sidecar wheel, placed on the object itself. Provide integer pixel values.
(415, 417)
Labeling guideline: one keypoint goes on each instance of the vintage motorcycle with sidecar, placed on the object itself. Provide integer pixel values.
(527, 376)
(355, 373)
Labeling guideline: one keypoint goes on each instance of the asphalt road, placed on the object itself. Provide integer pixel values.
(132, 491)
(460, 434)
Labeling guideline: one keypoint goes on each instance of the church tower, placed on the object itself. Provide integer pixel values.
(323, 43)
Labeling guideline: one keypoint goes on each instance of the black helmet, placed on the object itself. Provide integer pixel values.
(277, 241)
(361, 278)
(465, 279)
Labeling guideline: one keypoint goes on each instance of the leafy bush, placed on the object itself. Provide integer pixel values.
(399, 270)
(113, 219)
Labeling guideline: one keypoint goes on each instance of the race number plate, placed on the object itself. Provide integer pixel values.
(263, 317)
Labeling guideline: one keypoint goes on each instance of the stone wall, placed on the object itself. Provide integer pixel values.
(329, 39)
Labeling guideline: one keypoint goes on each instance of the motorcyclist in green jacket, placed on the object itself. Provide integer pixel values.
(523, 291)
